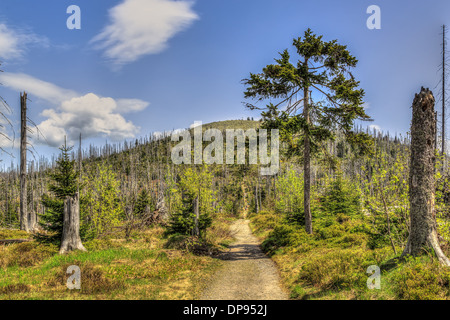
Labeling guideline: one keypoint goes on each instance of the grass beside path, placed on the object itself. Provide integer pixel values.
(332, 263)
(143, 268)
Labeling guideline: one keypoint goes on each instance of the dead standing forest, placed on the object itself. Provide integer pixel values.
(345, 198)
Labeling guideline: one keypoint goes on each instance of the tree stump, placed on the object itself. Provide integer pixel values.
(423, 232)
(71, 227)
(161, 209)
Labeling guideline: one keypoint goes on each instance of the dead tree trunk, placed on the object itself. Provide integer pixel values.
(423, 232)
(196, 217)
(71, 227)
(32, 216)
(24, 224)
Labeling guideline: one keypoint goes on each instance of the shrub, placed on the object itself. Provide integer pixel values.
(25, 254)
(332, 231)
(339, 269)
(422, 281)
(100, 244)
(191, 244)
(93, 279)
(285, 235)
(340, 198)
(265, 220)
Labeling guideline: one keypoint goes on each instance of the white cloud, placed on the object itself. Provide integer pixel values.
(39, 88)
(91, 115)
(13, 43)
(142, 27)
(131, 105)
(375, 127)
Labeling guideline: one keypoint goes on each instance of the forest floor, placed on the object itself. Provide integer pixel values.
(247, 273)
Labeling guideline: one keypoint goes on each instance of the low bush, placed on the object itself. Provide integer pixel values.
(339, 269)
(191, 244)
(93, 279)
(284, 235)
(422, 281)
(25, 254)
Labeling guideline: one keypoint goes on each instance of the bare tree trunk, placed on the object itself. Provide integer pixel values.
(32, 216)
(196, 218)
(256, 199)
(423, 232)
(443, 96)
(307, 167)
(24, 225)
(71, 228)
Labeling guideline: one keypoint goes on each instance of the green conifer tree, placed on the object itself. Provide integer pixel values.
(193, 183)
(143, 204)
(63, 184)
(323, 69)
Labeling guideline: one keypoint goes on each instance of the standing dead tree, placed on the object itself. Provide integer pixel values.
(444, 67)
(24, 223)
(423, 232)
(28, 219)
(71, 228)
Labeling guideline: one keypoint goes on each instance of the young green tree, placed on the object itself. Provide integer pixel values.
(324, 69)
(194, 184)
(289, 186)
(103, 205)
(63, 184)
(143, 204)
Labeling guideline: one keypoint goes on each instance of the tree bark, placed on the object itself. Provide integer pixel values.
(71, 228)
(196, 217)
(307, 166)
(443, 97)
(32, 216)
(24, 224)
(423, 234)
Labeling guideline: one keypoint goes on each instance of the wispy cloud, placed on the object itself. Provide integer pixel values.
(91, 115)
(141, 27)
(39, 88)
(14, 42)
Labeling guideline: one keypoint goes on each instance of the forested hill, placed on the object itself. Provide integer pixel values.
(144, 167)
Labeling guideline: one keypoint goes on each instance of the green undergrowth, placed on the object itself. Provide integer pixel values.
(333, 262)
(149, 266)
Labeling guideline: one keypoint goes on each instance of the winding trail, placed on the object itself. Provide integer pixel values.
(247, 273)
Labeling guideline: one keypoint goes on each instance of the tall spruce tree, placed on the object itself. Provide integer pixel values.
(63, 184)
(323, 69)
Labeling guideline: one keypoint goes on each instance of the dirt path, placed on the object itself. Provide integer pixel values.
(247, 274)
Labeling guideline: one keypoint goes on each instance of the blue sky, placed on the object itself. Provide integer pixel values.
(142, 66)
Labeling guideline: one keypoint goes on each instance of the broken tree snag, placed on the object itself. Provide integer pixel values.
(423, 233)
(71, 227)
(24, 224)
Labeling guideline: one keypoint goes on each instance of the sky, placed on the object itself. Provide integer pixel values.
(141, 66)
